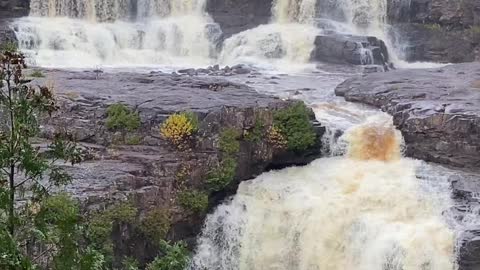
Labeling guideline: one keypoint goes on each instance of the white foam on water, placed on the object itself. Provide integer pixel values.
(71, 33)
(362, 211)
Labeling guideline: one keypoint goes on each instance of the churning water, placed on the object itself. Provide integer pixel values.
(363, 211)
(81, 33)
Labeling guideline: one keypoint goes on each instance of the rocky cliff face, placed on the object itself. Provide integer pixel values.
(437, 110)
(13, 8)
(233, 143)
(235, 16)
(437, 30)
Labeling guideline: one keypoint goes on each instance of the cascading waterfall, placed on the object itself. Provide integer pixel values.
(81, 33)
(285, 42)
(364, 211)
(294, 11)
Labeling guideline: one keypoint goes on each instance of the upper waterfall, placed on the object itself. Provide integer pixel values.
(291, 11)
(112, 10)
(88, 33)
(285, 43)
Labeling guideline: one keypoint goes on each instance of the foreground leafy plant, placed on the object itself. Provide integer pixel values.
(43, 230)
(175, 257)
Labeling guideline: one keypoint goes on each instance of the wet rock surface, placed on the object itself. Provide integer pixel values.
(465, 190)
(437, 30)
(357, 50)
(148, 172)
(240, 15)
(437, 110)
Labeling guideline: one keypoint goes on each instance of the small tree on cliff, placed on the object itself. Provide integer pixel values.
(35, 228)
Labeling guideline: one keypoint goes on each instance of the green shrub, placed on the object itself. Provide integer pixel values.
(229, 143)
(256, 134)
(121, 118)
(8, 47)
(294, 124)
(37, 74)
(133, 140)
(100, 225)
(130, 263)
(156, 224)
(194, 201)
(220, 177)
(175, 257)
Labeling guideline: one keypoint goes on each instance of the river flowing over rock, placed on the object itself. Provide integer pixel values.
(362, 211)
(384, 169)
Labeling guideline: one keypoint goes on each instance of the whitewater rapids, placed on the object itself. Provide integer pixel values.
(363, 211)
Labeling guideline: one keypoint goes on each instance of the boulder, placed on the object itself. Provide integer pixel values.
(356, 50)
(433, 43)
(239, 15)
(437, 110)
(437, 30)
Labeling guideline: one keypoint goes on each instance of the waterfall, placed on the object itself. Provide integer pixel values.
(365, 211)
(290, 11)
(87, 33)
(284, 43)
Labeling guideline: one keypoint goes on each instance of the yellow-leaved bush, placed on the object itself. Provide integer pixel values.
(276, 138)
(179, 127)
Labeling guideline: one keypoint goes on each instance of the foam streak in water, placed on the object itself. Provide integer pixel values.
(360, 212)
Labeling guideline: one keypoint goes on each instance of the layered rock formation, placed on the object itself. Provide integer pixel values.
(239, 15)
(437, 30)
(437, 110)
(144, 166)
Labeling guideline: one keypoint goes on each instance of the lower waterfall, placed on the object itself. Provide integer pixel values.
(363, 211)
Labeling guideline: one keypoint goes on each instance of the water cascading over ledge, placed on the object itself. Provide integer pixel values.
(88, 33)
(364, 211)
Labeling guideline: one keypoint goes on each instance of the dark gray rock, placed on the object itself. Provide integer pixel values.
(465, 189)
(14, 8)
(7, 35)
(437, 30)
(356, 50)
(433, 43)
(239, 15)
(437, 110)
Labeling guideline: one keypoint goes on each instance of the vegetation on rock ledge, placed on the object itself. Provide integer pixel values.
(178, 129)
(294, 124)
(194, 201)
(121, 118)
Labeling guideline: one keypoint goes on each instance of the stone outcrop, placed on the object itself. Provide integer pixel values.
(437, 110)
(437, 30)
(151, 171)
(14, 8)
(235, 16)
(357, 50)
